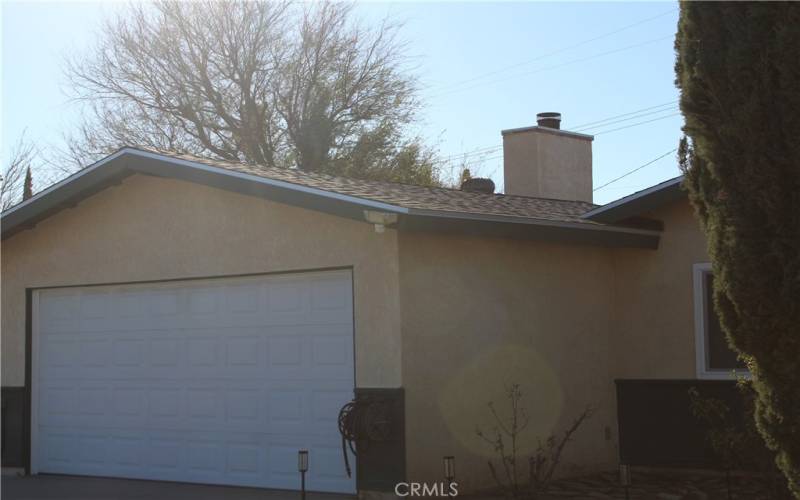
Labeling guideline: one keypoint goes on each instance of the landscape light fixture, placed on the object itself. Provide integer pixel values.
(449, 470)
(302, 466)
(625, 479)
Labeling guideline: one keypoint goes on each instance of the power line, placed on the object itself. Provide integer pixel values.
(635, 124)
(549, 68)
(604, 122)
(445, 160)
(482, 159)
(587, 130)
(557, 51)
(599, 123)
(626, 174)
(474, 152)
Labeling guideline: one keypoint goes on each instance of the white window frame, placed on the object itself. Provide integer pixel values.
(699, 271)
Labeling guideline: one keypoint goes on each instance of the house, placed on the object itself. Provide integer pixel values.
(180, 318)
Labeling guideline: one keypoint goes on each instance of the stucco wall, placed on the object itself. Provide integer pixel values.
(653, 322)
(150, 228)
(479, 314)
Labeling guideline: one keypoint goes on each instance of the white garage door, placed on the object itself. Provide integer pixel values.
(215, 381)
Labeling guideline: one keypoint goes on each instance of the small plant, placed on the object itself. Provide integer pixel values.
(734, 437)
(504, 439)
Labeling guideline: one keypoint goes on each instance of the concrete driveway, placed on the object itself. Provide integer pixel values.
(46, 487)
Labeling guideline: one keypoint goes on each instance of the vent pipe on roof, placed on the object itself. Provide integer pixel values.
(478, 185)
(549, 120)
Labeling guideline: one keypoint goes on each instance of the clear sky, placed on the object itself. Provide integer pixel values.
(484, 67)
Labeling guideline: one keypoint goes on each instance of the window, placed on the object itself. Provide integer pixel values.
(715, 360)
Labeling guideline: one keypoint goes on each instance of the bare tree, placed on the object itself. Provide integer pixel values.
(15, 182)
(542, 464)
(267, 83)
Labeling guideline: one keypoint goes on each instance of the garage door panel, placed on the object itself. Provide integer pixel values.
(286, 408)
(128, 408)
(58, 405)
(92, 401)
(126, 452)
(326, 463)
(217, 381)
(325, 405)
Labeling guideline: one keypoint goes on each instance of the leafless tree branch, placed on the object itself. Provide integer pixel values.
(20, 161)
(270, 83)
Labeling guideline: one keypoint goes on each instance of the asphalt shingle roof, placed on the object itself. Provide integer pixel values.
(411, 196)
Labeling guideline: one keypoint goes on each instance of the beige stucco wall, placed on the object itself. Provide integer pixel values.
(564, 321)
(479, 314)
(653, 317)
(150, 228)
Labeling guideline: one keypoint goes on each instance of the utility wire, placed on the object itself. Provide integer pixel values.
(597, 123)
(474, 152)
(635, 124)
(557, 51)
(604, 122)
(622, 120)
(548, 68)
(626, 174)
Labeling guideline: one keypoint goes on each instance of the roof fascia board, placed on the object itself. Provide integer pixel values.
(626, 207)
(270, 182)
(385, 206)
(58, 185)
(553, 232)
(582, 226)
(64, 193)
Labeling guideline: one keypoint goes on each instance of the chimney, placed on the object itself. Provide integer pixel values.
(546, 162)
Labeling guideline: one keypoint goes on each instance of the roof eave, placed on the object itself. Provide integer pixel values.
(638, 203)
(531, 229)
(114, 168)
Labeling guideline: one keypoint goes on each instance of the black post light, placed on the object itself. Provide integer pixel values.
(625, 479)
(728, 482)
(302, 466)
(449, 470)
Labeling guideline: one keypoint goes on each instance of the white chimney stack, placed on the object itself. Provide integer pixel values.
(546, 162)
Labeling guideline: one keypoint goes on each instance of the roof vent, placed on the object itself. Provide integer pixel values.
(549, 120)
(478, 185)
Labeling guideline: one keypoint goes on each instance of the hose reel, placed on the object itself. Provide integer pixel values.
(362, 421)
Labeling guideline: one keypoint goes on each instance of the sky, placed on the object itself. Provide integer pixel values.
(483, 67)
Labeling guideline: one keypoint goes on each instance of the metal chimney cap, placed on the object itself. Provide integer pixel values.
(549, 119)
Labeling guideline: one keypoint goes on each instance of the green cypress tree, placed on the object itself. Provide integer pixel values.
(27, 186)
(738, 69)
